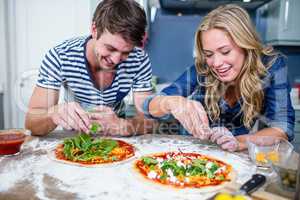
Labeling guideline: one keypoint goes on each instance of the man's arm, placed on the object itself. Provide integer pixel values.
(44, 114)
(38, 119)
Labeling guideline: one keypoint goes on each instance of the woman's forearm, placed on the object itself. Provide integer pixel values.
(275, 132)
(163, 105)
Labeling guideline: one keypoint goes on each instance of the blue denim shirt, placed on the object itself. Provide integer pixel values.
(277, 108)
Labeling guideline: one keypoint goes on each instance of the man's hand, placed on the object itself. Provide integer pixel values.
(109, 121)
(70, 116)
(223, 137)
(191, 115)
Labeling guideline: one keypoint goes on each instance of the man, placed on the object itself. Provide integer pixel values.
(99, 71)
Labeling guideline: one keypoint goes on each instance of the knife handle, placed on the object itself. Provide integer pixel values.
(253, 184)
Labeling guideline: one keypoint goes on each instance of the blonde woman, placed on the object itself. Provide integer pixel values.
(235, 82)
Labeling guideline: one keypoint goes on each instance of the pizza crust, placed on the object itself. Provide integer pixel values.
(205, 189)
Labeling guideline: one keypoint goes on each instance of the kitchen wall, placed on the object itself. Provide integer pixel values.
(171, 39)
(3, 61)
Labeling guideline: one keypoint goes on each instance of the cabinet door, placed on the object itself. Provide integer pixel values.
(283, 24)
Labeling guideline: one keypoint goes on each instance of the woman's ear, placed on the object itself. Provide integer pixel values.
(94, 30)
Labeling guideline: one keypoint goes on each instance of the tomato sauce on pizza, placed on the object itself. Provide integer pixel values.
(86, 150)
(183, 170)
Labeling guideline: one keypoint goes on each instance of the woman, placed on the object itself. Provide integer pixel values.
(235, 82)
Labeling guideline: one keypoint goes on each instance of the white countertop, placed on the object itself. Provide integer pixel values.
(31, 174)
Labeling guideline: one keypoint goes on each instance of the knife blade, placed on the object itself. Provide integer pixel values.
(255, 182)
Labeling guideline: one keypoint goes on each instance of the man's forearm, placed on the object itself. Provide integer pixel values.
(39, 122)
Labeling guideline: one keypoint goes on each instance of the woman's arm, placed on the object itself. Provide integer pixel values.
(274, 132)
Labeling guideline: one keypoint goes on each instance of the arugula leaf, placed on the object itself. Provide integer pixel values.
(95, 128)
(84, 148)
(220, 177)
(171, 164)
(149, 161)
(214, 167)
(68, 146)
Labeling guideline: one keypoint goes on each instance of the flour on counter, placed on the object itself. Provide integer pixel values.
(53, 180)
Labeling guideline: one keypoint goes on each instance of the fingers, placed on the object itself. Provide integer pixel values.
(61, 122)
(230, 146)
(193, 118)
(70, 116)
(223, 139)
(84, 121)
(215, 136)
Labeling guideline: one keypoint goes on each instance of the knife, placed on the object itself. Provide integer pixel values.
(255, 182)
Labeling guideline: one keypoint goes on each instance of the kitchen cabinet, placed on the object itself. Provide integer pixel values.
(296, 141)
(282, 22)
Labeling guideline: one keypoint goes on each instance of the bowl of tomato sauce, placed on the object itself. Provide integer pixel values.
(11, 140)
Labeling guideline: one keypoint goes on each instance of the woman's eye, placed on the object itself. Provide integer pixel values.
(208, 55)
(226, 52)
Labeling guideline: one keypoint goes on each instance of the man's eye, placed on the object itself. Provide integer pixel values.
(110, 49)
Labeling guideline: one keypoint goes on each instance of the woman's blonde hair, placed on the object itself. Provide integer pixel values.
(236, 22)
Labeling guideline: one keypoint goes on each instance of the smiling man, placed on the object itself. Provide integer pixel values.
(98, 71)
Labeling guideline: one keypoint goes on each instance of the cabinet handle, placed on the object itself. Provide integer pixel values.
(286, 14)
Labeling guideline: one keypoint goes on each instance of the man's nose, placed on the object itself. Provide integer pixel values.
(117, 57)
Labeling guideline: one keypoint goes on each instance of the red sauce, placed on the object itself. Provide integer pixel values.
(10, 142)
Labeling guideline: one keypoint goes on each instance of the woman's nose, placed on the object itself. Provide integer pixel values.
(217, 61)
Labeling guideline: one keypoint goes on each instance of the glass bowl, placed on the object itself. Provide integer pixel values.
(287, 172)
(267, 150)
(11, 140)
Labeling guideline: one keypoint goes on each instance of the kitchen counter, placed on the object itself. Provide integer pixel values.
(33, 175)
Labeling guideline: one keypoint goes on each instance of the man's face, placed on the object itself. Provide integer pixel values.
(110, 50)
(222, 55)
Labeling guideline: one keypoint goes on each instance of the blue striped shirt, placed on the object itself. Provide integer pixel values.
(66, 65)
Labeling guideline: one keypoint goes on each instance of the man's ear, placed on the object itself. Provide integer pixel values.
(94, 30)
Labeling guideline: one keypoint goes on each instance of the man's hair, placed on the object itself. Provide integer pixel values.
(124, 17)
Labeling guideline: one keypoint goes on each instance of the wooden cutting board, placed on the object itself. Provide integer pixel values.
(260, 194)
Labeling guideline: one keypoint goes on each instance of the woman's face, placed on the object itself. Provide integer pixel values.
(222, 55)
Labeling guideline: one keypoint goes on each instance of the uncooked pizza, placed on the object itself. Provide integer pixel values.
(86, 150)
(184, 170)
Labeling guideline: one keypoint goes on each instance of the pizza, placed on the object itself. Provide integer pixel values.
(85, 150)
(184, 170)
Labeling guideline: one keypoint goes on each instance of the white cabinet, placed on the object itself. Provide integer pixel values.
(32, 27)
(282, 22)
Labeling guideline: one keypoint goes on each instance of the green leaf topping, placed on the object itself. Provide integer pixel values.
(84, 148)
(95, 128)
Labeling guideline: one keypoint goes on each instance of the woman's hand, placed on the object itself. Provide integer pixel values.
(223, 137)
(191, 115)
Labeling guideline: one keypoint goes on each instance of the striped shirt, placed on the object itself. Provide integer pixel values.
(66, 65)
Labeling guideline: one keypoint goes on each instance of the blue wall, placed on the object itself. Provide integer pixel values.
(171, 41)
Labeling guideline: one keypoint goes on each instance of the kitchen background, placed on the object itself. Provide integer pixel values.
(29, 28)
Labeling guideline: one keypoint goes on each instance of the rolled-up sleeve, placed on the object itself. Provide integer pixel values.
(183, 86)
(279, 112)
